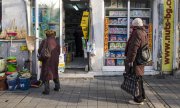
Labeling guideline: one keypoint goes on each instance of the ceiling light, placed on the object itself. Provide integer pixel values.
(75, 7)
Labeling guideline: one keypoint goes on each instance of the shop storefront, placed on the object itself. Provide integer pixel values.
(110, 28)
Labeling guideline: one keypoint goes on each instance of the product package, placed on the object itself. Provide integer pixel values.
(112, 54)
(123, 45)
(120, 62)
(118, 45)
(112, 45)
(110, 62)
(112, 38)
(118, 54)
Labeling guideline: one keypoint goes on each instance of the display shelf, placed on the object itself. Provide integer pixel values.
(140, 8)
(116, 16)
(114, 58)
(112, 8)
(116, 49)
(20, 40)
(118, 41)
(140, 17)
(116, 25)
(117, 33)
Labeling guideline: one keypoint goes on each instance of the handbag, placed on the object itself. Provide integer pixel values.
(45, 53)
(131, 83)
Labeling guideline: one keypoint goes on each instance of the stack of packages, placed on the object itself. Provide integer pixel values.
(11, 65)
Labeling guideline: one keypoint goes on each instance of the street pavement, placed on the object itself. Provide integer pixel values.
(99, 92)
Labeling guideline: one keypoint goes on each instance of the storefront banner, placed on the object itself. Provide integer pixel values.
(150, 35)
(84, 23)
(168, 36)
(106, 22)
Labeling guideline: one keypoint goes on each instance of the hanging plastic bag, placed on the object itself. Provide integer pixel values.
(93, 50)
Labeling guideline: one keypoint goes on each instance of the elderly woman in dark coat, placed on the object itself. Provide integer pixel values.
(49, 69)
(137, 39)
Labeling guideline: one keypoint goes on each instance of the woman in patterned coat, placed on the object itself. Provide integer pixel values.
(49, 70)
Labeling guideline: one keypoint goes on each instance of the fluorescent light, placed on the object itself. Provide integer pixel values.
(75, 7)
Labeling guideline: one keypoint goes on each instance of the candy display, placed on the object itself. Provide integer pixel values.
(112, 45)
(118, 45)
(110, 62)
(112, 54)
(112, 38)
(119, 62)
(118, 54)
(116, 30)
(118, 21)
(122, 37)
(139, 13)
(118, 13)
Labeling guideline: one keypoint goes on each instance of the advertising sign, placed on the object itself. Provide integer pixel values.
(168, 36)
(84, 23)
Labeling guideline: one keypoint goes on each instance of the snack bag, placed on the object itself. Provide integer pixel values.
(110, 62)
(112, 45)
(118, 54)
(113, 38)
(112, 54)
(118, 46)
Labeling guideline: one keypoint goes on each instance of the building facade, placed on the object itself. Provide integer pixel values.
(111, 22)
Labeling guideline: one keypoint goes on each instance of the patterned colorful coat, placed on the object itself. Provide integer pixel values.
(49, 68)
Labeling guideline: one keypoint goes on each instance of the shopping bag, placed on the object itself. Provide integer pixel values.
(131, 83)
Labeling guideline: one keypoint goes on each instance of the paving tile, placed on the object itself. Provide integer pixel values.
(92, 106)
(61, 106)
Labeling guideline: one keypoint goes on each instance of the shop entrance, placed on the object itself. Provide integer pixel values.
(75, 55)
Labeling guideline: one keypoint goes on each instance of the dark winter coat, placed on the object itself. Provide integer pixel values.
(49, 68)
(137, 39)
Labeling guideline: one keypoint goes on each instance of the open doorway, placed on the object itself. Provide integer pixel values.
(75, 58)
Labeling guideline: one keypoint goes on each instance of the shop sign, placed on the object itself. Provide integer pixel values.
(168, 35)
(150, 35)
(23, 48)
(84, 23)
(106, 22)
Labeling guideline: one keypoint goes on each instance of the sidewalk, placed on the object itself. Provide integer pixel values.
(100, 92)
(166, 89)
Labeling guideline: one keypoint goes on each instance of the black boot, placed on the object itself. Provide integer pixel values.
(46, 88)
(57, 84)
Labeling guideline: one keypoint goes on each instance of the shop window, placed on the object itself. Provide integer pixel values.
(48, 16)
(117, 29)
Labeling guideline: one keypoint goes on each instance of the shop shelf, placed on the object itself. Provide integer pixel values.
(116, 25)
(111, 8)
(116, 16)
(114, 58)
(20, 40)
(140, 8)
(116, 49)
(140, 16)
(117, 33)
(117, 41)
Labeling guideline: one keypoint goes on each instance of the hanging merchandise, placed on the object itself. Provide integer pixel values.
(61, 66)
(30, 40)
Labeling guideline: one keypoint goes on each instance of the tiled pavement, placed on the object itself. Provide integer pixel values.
(100, 92)
(167, 90)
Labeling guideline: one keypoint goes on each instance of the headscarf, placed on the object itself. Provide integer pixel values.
(50, 33)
